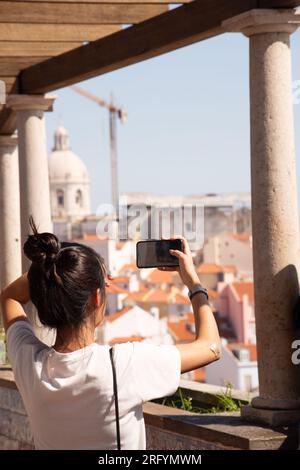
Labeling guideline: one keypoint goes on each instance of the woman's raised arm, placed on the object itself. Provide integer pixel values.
(206, 346)
(12, 299)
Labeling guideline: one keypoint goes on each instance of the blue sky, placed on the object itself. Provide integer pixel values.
(188, 121)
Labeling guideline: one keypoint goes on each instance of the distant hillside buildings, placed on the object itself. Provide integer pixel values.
(151, 305)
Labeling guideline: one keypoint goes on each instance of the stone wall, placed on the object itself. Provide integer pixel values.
(159, 439)
(14, 426)
(166, 428)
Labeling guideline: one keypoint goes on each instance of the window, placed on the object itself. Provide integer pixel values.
(60, 198)
(78, 197)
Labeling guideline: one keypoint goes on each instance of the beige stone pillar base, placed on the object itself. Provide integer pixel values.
(272, 418)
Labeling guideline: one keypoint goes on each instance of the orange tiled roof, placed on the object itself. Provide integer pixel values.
(115, 289)
(139, 296)
(199, 375)
(244, 288)
(162, 277)
(251, 347)
(181, 299)
(129, 267)
(114, 316)
(159, 296)
(179, 329)
(92, 236)
(117, 279)
(143, 286)
(242, 237)
(212, 268)
(151, 295)
(119, 245)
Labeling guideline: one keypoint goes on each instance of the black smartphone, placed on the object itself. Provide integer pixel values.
(155, 253)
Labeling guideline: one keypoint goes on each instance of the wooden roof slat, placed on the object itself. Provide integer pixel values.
(12, 66)
(72, 13)
(148, 39)
(54, 32)
(11, 84)
(35, 49)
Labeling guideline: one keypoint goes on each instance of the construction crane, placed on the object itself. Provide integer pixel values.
(115, 113)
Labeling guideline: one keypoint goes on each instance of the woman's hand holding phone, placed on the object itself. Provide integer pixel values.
(186, 268)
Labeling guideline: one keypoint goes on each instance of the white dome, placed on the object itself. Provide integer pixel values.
(64, 165)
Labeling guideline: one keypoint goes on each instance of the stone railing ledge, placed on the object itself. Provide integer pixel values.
(171, 428)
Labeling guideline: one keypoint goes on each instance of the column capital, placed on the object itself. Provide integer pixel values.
(258, 21)
(30, 102)
(8, 140)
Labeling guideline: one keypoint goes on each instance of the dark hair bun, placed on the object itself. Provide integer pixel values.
(62, 279)
(41, 248)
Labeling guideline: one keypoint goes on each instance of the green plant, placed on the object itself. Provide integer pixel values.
(182, 402)
(225, 402)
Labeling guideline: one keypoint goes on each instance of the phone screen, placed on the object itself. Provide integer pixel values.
(155, 253)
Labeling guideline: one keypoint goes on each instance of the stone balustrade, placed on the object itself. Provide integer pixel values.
(166, 428)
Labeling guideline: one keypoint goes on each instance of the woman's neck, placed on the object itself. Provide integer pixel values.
(69, 340)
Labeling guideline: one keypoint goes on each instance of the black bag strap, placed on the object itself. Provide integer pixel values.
(116, 398)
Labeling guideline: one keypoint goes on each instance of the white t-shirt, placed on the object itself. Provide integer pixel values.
(69, 396)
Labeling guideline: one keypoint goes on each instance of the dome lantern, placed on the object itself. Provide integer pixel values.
(61, 139)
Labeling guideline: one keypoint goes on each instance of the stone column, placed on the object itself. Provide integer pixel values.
(274, 211)
(34, 177)
(10, 250)
(33, 161)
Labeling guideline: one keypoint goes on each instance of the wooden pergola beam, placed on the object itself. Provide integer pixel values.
(185, 25)
(77, 13)
(278, 3)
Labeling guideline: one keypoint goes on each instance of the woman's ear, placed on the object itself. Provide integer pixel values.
(96, 298)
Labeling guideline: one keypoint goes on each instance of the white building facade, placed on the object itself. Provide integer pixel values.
(238, 370)
(230, 248)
